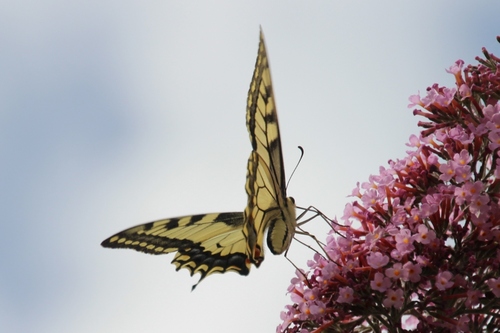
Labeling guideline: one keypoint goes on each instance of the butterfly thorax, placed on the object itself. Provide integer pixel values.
(282, 228)
(280, 223)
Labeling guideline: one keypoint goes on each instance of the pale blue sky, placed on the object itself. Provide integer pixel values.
(114, 113)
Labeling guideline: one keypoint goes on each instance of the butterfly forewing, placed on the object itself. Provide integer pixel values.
(268, 206)
(205, 243)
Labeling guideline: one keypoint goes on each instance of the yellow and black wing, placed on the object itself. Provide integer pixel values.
(205, 244)
(268, 207)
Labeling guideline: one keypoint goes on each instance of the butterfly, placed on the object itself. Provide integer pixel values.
(233, 241)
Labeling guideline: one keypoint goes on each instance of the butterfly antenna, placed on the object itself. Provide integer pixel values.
(300, 159)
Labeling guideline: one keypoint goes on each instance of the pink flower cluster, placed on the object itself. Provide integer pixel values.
(419, 249)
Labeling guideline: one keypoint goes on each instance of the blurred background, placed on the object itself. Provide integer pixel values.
(115, 113)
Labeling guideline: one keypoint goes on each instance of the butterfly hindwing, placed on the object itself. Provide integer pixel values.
(268, 206)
